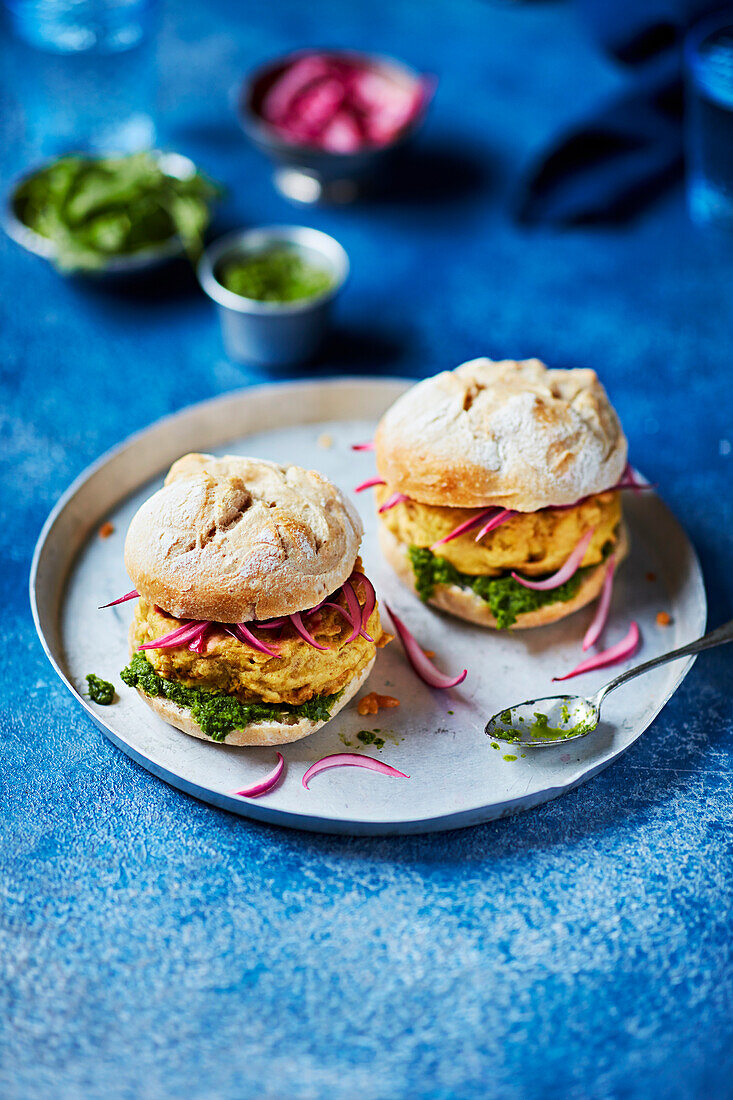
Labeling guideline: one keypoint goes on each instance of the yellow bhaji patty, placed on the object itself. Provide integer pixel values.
(300, 673)
(530, 542)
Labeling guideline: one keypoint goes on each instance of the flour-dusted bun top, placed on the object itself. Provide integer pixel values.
(235, 539)
(511, 434)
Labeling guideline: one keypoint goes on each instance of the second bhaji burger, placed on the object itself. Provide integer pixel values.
(500, 500)
(255, 623)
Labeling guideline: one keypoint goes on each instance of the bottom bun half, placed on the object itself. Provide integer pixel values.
(465, 604)
(257, 733)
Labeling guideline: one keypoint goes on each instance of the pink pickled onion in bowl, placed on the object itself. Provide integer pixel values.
(612, 656)
(342, 103)
(293, 80)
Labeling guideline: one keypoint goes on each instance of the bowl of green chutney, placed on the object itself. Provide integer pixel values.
(274, 288)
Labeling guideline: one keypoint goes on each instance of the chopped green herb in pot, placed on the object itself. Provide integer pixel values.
(216, 712)
(100, 691)
(97, 208)
(276, 275)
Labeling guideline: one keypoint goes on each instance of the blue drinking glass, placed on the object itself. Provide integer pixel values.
(81, 26)
(709, 121)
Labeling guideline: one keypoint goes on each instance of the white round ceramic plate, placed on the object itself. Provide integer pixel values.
(456, 777)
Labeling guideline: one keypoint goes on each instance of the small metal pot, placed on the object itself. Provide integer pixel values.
(310, 175)
(133, 263)
(273, 334)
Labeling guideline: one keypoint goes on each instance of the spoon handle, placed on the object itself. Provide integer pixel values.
(717, 637)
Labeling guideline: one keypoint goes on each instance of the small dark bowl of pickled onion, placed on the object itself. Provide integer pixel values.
(330, 119)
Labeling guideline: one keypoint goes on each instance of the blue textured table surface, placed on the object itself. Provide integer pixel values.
(151, 946)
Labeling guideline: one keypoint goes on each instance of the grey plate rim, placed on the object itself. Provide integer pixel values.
(253, 808)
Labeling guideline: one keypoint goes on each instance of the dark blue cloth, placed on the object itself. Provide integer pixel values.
(630, 149)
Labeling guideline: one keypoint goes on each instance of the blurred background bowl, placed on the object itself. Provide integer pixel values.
(133, 263)
(308, 174)
(273, 334)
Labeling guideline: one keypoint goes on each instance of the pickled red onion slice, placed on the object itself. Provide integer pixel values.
(270, 780)
(630, 480)
(370, 603)
(368, 446)
(242, 633)
(565, 572)
(595, 629)
(390, 502)
(297, 622)
(611, 656)
(353, 760)
(421, 664)
(354, 610)
(369, 484)
(467, 525)
(496, 521)
(294, 79)
(182, 635)
(342, 611)
(123, 599)
(198, 643)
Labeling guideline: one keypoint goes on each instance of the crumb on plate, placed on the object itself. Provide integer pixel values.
(325, 441)
(663, 618)
(106, 530)
(371, 703)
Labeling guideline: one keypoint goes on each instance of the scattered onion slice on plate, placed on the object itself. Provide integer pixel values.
(270, 780)
(466, 525)
(352, 760)
(297, 622)
(595, 629)
(128, 596)
(368, 446)
(565, 572)
(421, 664)
(390, 502)
(611, 656)
(496, 521)
(369, 484)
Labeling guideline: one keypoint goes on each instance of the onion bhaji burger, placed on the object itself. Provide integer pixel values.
(255, 623)
(501, 500)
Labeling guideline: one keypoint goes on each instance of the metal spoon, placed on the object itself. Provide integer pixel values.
(560, 718)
